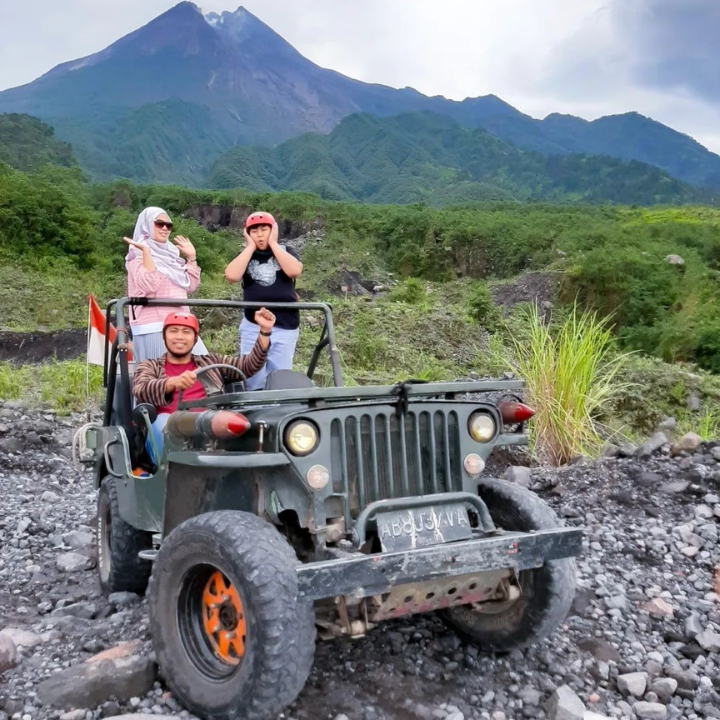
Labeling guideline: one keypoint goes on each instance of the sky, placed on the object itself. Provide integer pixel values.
(584, 57)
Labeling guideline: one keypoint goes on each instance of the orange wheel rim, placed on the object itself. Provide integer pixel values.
(224, 619)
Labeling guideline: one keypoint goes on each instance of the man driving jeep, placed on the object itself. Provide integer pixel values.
(158, 382)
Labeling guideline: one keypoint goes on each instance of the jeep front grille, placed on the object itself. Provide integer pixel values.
(376, 455)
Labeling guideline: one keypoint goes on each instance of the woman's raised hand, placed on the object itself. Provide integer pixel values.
(185, 247)
(140, 246)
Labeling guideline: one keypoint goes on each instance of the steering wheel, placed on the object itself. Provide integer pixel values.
(216, 366)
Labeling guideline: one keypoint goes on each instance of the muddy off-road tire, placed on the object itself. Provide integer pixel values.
(118, 545)
(231, 637)
(547, 592)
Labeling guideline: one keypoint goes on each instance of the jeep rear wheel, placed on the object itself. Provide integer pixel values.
(118, 544)
(231, 637)
(546, 593)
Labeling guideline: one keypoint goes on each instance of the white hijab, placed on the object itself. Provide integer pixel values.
(165, 254)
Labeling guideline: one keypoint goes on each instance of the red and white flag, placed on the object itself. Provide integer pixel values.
(96, 334)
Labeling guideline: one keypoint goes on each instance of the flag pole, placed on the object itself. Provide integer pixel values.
(87, 360)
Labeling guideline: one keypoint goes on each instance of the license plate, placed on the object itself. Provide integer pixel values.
(420, 527)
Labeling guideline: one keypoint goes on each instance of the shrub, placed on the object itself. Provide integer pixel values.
(707, 351)
(411, 291)
(481, 305)
(44, 215)
(572, 375)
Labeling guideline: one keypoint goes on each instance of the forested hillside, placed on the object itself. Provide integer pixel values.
(424, 157)
(28, 144)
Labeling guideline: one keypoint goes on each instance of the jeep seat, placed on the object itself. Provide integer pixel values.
(288, 380)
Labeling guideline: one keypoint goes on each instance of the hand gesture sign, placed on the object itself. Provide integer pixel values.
(186, 248)
(264, 319)
(138, 245)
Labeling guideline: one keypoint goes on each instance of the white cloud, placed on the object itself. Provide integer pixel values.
(658, 57)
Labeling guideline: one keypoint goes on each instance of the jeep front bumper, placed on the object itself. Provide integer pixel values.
(359, 575)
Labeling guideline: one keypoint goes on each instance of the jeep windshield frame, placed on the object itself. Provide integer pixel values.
(115, 360)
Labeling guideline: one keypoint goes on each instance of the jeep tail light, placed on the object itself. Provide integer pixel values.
(515, 412)
(227, 424)
(221, 424)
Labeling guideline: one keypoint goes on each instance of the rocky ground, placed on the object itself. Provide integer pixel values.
(642, 641)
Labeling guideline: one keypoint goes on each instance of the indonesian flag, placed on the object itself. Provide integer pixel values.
(97, 333)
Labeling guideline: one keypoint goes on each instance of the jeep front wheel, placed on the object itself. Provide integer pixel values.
(545, 594)
(231, 637)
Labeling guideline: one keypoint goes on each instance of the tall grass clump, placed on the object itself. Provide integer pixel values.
(573, 374)
(706, 424)
(70, 386)
(11, 384)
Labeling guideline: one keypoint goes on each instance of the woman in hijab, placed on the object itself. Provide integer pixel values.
(155, 269)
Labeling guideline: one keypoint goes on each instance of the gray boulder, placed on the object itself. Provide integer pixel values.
(689, 442)
(92, 683)
(78, 539)
(11, 444)
(24, 638)
(71, 562)
(667, 425)
(518, 474)
(709, 640)
(564, 704)
(123, 599)
(664, 688)
(83, 610)
(8, 654)
(650, 711)
(632, 684)
(627, 450)
(693, 625)
(652, 445)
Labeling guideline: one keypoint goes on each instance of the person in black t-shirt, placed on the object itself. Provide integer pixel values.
(267, 271)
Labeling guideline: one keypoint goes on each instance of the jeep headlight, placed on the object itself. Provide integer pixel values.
(301, 437)
(481, 427)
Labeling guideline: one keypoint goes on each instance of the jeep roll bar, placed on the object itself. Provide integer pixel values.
(112, 360)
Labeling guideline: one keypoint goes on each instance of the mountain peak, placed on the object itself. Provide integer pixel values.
(235, 22)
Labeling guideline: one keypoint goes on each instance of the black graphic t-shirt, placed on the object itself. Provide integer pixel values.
(265, 281)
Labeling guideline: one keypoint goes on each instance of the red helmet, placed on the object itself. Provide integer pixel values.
(183, 319)
(259, 218)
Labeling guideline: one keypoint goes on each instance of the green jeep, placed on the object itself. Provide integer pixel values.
(294, 510)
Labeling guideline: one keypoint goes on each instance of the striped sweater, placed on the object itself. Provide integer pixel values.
(150, 378)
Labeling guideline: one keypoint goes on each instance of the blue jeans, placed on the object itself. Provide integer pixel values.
(158, 436)
(280, 355)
